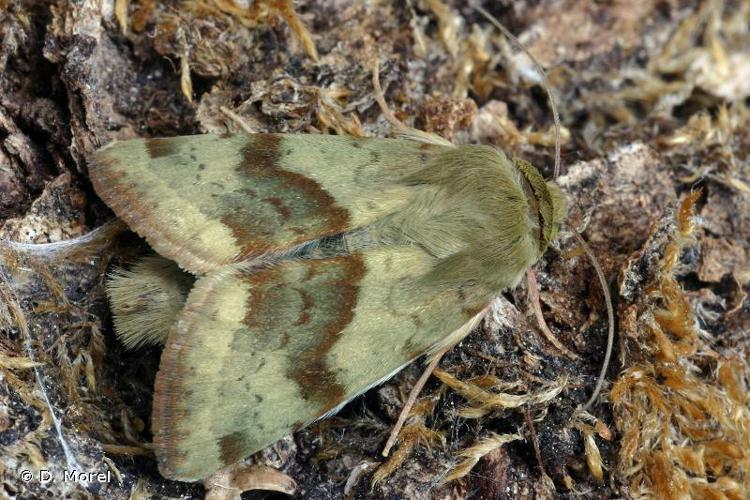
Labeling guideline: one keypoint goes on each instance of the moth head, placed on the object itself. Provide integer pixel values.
(547, 199)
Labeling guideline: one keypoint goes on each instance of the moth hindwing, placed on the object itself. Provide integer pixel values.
(323, 265)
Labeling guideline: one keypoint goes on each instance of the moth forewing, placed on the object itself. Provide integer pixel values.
(324, 264)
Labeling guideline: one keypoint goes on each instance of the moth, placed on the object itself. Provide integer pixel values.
(298, 271)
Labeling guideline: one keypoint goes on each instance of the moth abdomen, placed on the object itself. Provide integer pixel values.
(146, 300)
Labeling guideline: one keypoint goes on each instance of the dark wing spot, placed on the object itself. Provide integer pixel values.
(160, 147)
(232, 447)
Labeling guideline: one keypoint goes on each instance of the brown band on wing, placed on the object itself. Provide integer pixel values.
(278, 203)
(316, 379)
(320, 322)
(317, 214)
(307, 304)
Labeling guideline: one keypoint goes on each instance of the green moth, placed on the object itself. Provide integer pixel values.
(298, 271)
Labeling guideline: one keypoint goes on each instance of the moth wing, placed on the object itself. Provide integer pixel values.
(205, 201)
(258, 354)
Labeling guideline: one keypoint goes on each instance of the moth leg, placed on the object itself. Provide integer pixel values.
(436, 352)
(240, 121)
(146, 299)
(232, 481)
(412, 400)
(536, 306)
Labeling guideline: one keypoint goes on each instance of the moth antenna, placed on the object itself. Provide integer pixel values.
(411, 400)
(610, 320)
(237, 119)
(545, 81)
(404, 130)
(380, 98)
